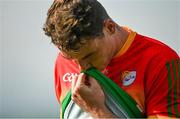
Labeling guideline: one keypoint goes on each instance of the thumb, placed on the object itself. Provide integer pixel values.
(94, 83)
(81, 80)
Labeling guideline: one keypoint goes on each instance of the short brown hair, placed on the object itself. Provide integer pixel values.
(69, 21)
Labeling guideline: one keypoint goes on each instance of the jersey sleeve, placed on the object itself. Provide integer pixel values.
(162, 89)
(57, 78)
(65, 70)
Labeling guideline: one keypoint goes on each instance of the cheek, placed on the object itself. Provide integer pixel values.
(103, 55)
(104, 58)
(99, 61)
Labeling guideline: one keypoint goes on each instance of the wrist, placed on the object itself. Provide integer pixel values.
(102, 112)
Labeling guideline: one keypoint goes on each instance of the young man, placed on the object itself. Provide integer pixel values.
(146, 69)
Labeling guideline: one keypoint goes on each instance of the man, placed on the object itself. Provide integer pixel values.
(146, 69)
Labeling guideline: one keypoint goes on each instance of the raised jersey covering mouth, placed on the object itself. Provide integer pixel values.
(117, 100)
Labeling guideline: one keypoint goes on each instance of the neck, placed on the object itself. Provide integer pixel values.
(120, 39)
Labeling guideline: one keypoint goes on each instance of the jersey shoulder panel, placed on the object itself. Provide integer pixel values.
(65, 69)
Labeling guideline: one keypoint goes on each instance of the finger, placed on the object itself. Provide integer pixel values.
(75, 85)
(81, 87)
(75, 99)
(94, 83)
(74, 80)
(79, 102)
(81, 80)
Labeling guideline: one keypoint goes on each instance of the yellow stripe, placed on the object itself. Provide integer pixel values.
(128, 42)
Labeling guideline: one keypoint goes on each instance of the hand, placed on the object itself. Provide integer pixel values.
(87, 93)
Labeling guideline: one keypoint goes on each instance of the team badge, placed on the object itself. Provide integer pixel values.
(128, 77)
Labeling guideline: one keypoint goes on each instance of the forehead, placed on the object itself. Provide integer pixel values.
(90, 46)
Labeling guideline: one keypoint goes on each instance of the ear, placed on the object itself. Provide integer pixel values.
(109, 26)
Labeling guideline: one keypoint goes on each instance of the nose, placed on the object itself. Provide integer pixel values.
(83, 65)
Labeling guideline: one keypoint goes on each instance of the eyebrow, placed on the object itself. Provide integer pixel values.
(88, 55)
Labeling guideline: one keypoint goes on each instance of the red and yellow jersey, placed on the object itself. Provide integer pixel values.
(148, 70)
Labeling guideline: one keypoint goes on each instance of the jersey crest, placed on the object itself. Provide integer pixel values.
(128, 77)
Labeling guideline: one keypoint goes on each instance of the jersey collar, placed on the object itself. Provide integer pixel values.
(128, 42)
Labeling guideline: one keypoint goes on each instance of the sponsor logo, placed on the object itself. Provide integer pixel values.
(128, 77)
(68, 77)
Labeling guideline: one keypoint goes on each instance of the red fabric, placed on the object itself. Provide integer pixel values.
(146, 62)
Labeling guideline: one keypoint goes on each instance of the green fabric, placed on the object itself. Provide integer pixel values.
(175, 88)
(123, 100)
(65, 103)
(169, 89)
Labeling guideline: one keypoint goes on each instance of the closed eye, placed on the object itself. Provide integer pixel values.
(88, 55)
